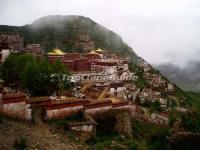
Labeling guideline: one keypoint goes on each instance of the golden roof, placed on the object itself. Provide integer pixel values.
(56, 52)
(99, 50)
(93, 52)
(115, 100)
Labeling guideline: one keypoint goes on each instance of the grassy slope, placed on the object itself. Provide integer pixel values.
(195, 98)
(145, 136)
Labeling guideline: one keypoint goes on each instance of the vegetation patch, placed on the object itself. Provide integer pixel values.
(112, 141)
(34, 74)
(2, 117)
(149, 135)
(20, 144)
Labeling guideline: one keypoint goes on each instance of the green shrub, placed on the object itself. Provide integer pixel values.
(133, 146)
(117, 147)
(20, 144)
(1, 118)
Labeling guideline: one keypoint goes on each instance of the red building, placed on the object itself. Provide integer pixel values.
(85, 62)
(72, 56)
(104, 63)
(70, 64)
(56, 54)
(92, 55)
(11, 41)
(13, 98)
(82, 65)
(75, 62)
(34, 49)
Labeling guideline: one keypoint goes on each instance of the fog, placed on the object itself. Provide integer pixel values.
(186, 77)
(160, 31)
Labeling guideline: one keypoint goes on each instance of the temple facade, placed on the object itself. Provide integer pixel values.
(96, 61)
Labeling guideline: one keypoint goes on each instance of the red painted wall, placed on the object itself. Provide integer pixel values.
(83, 65)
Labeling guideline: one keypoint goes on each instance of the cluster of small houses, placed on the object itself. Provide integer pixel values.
(156, 86)
(89, 96)
(13, 42)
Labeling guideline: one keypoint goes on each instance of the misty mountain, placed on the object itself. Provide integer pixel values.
(187, 77)
(62, 31)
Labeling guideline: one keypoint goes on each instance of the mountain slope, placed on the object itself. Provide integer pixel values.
(62, 31)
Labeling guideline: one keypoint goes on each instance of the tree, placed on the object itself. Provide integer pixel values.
(132, 67)
(173, 117)
(59, 77)
(156, 106)
(33, 81)
(12, 69)
(9, 71)
(35, 74)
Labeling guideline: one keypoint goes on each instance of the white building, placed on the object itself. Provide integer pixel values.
(4, 54)
(118, 89)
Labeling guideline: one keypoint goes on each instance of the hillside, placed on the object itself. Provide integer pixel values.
(37, 136)
(62, 31)
(147, 112)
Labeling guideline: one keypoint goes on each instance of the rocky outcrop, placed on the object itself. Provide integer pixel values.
(123, 123)
(85, 129)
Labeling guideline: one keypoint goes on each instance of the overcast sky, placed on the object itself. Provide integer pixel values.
(158, 30)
